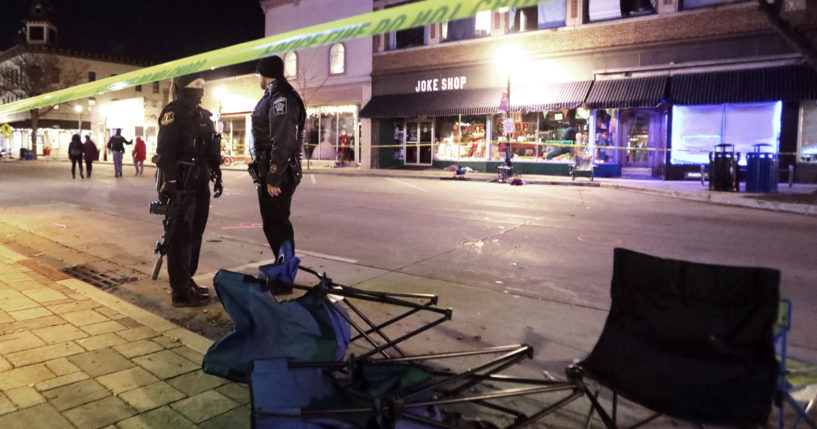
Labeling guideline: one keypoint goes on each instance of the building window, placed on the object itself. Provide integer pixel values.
(694, 4)
(467, 28)
(603, 10)
(544, 15)
(291, 64)
(91, 76)
(138, 88)
(156, 87)
(337, 59)
(407, 38)
(36, 34)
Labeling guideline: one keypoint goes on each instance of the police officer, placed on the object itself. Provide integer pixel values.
(277, 130)
(188, 159)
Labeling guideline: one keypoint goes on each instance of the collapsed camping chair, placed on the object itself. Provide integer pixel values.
(785, 386)
(408, 392)
(687, 340)
(314, 327)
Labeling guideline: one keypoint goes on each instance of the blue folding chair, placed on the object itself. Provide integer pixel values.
(781, 331)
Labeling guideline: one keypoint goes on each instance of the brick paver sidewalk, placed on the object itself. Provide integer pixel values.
(72, 356)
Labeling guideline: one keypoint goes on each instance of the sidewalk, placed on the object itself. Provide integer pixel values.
(72, 356)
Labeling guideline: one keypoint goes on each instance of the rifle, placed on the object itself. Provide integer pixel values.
(175, 208)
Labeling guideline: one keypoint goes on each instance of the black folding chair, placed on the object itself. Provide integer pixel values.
(687, 340)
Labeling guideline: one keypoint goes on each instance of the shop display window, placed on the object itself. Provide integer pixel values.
(329, 134)
(697, 129)
(461, 138)
(808, 132)
(694, 4)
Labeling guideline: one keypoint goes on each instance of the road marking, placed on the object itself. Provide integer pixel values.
(406, 184)
(245, 226)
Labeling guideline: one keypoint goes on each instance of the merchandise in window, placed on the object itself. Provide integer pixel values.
(808, 132)
(603, 10)
(330, 134)
(461, 138)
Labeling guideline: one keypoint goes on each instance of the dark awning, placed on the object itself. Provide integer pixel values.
(481, 101)
(631, 92)
(788, 83)
(567, 95)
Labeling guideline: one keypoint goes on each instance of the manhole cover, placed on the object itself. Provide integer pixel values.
(94, 276)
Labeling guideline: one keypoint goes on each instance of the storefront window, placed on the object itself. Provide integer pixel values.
(461, 138)
(808, 132)
(697, 129)
(233, 136)
(603, 10)
(330, 133)
(544, 15)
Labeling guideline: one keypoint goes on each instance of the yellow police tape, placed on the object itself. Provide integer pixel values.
(369, 24)
(550, 143)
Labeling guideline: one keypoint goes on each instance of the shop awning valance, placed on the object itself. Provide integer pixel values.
(477, 101)
(627, 93)
(567, 95)
(787, 83)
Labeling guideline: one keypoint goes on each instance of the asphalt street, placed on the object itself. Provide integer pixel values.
(518, 264)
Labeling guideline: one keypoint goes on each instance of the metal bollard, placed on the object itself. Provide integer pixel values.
(791, 175)
(702, 174)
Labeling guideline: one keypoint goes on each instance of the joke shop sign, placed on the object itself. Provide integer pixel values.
(441, 84)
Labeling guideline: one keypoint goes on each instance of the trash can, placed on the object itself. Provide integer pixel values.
(723, 168)
(23, 153)
(761, 170)
(29, 155)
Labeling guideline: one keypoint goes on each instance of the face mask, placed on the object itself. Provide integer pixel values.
(192, 94)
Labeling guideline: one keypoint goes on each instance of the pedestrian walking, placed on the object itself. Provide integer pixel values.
(188, 159)
(116, 144)
(277, 129)
(91, 154)
(75, 152)
(139, 154)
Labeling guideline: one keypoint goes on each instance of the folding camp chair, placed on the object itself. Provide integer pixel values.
(405, 392)
(781, 331)
(582, 165)
(688, 340)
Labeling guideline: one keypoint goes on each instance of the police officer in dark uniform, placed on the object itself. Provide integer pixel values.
(188, 159)
(277, 130)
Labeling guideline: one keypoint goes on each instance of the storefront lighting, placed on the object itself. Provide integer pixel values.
(220, 93)
(331, 110)
(78, 108)
(508, 58)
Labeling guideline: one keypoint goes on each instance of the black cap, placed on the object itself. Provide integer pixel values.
(185, 80)
(271, 67)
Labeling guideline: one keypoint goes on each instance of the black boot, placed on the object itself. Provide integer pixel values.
(190, 298)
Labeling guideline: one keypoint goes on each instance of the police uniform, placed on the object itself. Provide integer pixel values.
(277, 129)
(187, 136)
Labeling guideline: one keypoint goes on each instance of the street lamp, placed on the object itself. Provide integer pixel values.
(78, 109)
(507, 59)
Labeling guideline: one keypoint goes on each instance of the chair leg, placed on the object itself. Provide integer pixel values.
(590, 413)
(802, 413)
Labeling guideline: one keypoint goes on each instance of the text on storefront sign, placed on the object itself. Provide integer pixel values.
(441, 84)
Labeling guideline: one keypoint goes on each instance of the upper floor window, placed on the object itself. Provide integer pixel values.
(694, 4)
(603, 10)
(467, 28)
(337, 59)
(290, 64)
(36, 33)
(138, 88)
(544, 15)
(408, 38)
(156, 87)
(91, 76)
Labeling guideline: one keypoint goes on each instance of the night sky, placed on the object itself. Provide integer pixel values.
(146, 30)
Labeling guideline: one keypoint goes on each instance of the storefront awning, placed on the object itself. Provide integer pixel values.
(480, 101)
(627, 93)
(788, 83)
(567, 95)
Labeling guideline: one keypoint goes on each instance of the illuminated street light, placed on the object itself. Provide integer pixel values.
(507, 59)
(78, 109)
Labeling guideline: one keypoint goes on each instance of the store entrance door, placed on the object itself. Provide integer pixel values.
(643, 138)
(418, 142)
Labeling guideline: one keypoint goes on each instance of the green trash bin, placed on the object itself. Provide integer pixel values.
(761, 170)
(723, 168)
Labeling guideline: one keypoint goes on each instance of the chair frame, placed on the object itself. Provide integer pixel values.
(782, 327)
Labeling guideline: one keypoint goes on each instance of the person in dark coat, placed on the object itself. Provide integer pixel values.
(277, 128)
(188, 159)
(75, 152)
(91, 154)
(116, 144)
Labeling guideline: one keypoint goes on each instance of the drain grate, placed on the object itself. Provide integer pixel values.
(94, 276)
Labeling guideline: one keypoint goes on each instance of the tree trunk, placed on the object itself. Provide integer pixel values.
(35, 119)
